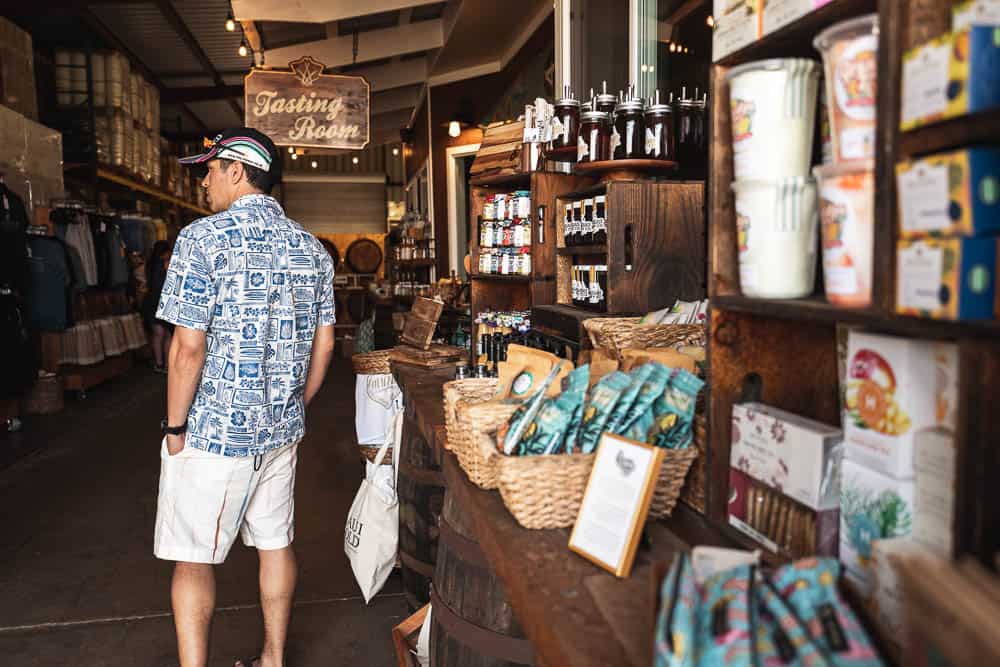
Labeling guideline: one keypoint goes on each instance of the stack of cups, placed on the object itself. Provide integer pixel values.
(773, 107)
(847, 184)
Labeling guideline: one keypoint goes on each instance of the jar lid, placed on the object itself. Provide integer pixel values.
(807, 65)
(630, 105)
(568, 102)
(607, 98)
(659, 108)
(595, 115)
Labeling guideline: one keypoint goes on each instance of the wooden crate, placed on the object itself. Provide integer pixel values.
(422, 322)
(499, 151)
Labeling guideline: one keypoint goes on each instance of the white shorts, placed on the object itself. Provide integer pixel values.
(206, 499)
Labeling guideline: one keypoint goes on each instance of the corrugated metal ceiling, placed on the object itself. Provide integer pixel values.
(205, 19)
(142, 28)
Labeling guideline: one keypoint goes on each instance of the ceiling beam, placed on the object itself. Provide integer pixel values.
(372, 45)
(180, 27)
(316, 12)
(108, 36)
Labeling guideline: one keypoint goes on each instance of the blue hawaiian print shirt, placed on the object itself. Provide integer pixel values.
(259, 285)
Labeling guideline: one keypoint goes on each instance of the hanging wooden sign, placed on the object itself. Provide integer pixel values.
(304, 107)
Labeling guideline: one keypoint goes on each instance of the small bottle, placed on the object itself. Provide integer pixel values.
(587, 227)
(577, 235)
(600, 219)
(568, 225)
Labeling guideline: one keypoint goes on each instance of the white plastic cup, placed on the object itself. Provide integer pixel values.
(847, 217)
(850, 64)
(776, 236)
(773, 110)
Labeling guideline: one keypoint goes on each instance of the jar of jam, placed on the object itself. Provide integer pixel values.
(594, 144)
(660, 132)
(587, 229)
(600, 219)
(629, 137)
(576, 237)
(565, 123)
(604, 101)
(692, 135)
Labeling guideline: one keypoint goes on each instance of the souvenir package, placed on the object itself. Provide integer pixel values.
(796, 456)
(546, 433)
(673, 412)
(873, 506)
(895, 388)
(603, 398)
(519, 421)
(639, 416)
(947, 278)
(669, 357)
(637, 378)
(736, 25)
(577, 381)
(950, 194)
(524, 369)
(975, 12)
(777, 14)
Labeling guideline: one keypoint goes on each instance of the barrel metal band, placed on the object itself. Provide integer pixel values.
(466, 549)
(482, 640)
(423, 476)
(420, 567)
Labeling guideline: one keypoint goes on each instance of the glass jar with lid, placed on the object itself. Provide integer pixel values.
(594, 144)
(692, 135)
(565, 123)
(629, 135)
(660, 132)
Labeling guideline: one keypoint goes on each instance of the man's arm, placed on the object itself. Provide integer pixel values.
(187, 358)
(322, 353)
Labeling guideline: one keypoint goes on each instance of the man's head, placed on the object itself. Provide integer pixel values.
(240, 161)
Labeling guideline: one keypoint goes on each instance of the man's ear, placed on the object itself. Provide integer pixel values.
(236, 172)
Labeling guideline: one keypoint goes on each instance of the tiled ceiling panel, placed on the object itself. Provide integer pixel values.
(142, 28)
(206, 19)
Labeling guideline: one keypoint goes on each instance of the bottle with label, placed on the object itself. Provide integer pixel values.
(565, 121)
(600, 219)
(486, 236)
(587, 225)
(568, 225)
(577, 236)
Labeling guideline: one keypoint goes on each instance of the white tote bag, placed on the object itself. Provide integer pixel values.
(372, 531)
(376, 399)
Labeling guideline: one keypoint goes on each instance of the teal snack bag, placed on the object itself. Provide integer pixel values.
(546, 432)
(578, 380)
(674, 412)
(522, 417)
(602, 401)
(618, 415)
(651, 390)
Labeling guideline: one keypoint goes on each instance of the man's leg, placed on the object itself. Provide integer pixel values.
(193, 597)
(277, 590)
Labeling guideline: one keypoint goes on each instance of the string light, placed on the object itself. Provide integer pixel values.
(230, 23)
(454, 129)
(710, 21)
(243, 51)
(355, 159)
(395, 151)
(295, 156)
(291, 150)
(314, 164)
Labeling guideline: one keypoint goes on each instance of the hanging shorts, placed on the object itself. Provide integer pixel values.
(207, 499)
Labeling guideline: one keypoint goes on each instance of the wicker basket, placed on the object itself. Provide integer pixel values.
(545, 492)
(617, 334)
(46, 396)
(371, 363)
(475, 444)
(693, 493)
(369, 452)
(470, 390)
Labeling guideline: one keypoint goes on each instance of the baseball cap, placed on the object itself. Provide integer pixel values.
(242, 144)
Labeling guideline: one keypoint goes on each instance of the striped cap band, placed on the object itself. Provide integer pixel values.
(238, 148)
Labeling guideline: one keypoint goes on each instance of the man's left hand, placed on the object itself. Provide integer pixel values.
(175, 444)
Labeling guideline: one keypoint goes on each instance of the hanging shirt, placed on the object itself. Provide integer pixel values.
(259, 285)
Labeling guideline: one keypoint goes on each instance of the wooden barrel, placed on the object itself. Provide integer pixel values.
(472, 623)
(420, 488)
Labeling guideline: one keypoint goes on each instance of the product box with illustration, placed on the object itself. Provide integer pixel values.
(778, 523)
(776, 14)
(975, 12)
(947, 278)
(873, 507)
(737, 23)
(797, 456)
(951, 76)
(896, 387)
(950, 194)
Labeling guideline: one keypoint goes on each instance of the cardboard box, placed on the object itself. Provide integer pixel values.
(737, 23)
(951, 76)
(17, 70)
(888, 599)
(950, 194)
(896, 387)
(975, 12)
(934, 491)
(776, 14)
(778, 523)
(797, 456)
(947, 278)
(873, 507)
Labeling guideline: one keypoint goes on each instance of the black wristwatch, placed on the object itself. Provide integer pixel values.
(173, 430)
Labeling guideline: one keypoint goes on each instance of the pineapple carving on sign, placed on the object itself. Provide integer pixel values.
(302, 106)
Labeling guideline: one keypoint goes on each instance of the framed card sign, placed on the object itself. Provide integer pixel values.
(616, 503)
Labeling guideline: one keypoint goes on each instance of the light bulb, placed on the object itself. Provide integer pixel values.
(230, 24)
(355, 159)
(243, 49)
(454, 129)
(673, 47)
(314, 164)
(291, 150)
(295, 156)
(395, 151)
(710, 21)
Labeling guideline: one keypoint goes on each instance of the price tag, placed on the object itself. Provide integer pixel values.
(920, 269)
(923, 193)
(582, 150)
(616, 140)
(925, 83)
(531, 135)
(558, 129)
(652, 144)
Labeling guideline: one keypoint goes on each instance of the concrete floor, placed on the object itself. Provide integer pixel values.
(78, 581)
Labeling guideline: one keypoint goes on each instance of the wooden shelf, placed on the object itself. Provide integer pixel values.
(519, 181)
(415, 263)
(978, 128)
(795, 39)
(151, 190)
(591, 249)
(818, 309)
(501, 278)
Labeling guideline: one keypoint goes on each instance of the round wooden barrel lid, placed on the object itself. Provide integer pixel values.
(332, 249)
(364, 256)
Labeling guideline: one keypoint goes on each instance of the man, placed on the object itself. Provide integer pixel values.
(251, 295)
